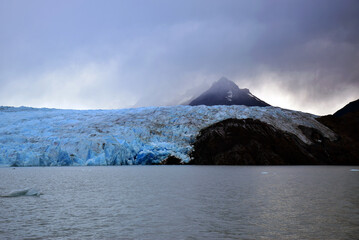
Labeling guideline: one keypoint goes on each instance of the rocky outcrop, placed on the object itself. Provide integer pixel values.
(172, 160)
(253, 142)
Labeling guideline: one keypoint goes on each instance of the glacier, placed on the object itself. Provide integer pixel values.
(56, 137)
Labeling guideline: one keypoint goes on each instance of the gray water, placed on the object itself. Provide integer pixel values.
(181, 202)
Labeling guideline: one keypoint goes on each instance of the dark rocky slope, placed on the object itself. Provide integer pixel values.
(346, 126)
(345, 123)
(252, 142)
(349, 108)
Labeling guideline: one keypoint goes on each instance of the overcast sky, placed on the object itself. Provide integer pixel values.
(301, 55)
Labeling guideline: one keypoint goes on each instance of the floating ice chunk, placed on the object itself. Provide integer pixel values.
(264, 172)
(24, 192)
(354, 170)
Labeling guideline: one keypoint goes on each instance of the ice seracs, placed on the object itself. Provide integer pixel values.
(51, 137)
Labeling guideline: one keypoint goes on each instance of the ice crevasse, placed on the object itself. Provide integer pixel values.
(54, 137)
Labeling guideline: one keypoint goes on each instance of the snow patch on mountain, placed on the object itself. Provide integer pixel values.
(229, 95)
(53, 137)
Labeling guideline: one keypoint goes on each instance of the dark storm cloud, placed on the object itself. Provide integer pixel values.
(92, 54)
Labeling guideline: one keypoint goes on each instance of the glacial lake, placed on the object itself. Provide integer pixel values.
(181, 202)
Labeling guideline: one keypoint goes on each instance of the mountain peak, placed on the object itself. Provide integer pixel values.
(224, 83)
(224, 80)
(226, 92)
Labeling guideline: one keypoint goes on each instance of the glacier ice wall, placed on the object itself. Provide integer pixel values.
(53, 137)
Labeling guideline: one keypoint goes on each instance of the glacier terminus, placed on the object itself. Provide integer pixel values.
(137, 136)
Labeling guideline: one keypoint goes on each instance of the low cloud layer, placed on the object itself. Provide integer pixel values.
(301, 55)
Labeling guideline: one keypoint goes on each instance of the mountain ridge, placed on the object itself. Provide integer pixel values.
(349, 108)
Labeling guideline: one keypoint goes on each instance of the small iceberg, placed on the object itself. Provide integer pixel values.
(354, 170)
(264, 172)
(24, 192)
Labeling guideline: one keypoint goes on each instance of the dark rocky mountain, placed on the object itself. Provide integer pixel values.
(345, 123)
(349, 108)
(226, 92)
(253, 142)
